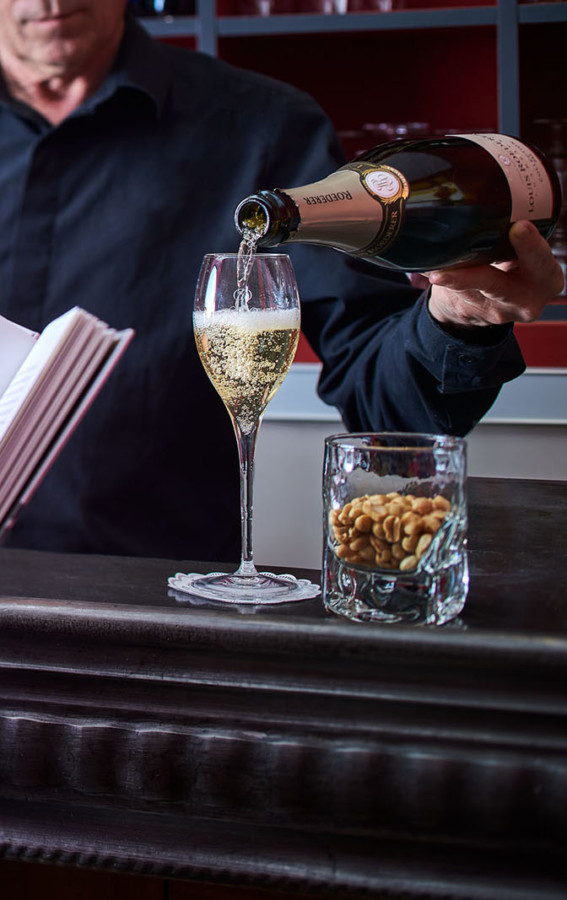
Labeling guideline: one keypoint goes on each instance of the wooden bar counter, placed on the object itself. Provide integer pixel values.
(284, 749)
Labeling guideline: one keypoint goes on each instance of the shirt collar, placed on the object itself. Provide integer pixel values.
(140, 66)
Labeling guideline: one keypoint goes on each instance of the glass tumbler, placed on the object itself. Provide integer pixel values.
(395, 527)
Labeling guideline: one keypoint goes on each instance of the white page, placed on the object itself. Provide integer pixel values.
(44, 349)
(15, 344)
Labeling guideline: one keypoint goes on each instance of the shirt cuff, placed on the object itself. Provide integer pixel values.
(459, 363)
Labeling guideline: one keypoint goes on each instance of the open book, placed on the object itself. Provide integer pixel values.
(47, 382)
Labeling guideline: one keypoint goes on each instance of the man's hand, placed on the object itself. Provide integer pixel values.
(514, 291)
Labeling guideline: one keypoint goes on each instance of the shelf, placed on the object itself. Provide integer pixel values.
(532, 13)
(321, 24)
(304, 23)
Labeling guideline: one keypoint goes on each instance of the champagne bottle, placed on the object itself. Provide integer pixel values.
(415, 205)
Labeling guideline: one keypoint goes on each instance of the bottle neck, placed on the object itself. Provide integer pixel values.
(269, 215)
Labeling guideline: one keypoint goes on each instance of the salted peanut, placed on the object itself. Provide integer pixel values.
(398, 552)
(358, 543)
(363, 522)
(392, 528)
(334, 517)
(439, 514)
(409, 563)
(431, 524)
(342, 551)
(385, 554)
(423, 544)
(412, 524)
(440, 502)
(378, 530)
(345, 516)
(422, 505)
(410, 542)
(376, 511)
(367, 554)
(385, 561)
(379, 544)
(396, 507)
(392, 564)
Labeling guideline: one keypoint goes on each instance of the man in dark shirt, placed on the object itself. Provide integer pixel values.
(121, 162)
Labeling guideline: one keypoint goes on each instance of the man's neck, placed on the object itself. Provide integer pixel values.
(55, 93)
(54, 98)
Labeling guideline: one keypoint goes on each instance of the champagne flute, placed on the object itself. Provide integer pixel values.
(246, 322)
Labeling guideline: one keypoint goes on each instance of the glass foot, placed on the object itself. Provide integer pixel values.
(258, 589)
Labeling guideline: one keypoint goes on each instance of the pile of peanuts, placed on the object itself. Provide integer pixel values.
(387, 531)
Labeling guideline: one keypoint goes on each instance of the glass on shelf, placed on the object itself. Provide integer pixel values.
(375, 5)
(356, 141)
(326, 7)
(288, 7)
(392, 5)
(464, 129)
(256, 7)
(145, 8)
(382, 132)
(348, 6)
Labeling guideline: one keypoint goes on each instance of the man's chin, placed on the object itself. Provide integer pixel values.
(64, 59)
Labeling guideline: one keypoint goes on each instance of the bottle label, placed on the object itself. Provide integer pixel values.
(370, 199)
(392, 190)
(530, 187)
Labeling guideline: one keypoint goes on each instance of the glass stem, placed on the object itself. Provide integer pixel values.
(246, 450)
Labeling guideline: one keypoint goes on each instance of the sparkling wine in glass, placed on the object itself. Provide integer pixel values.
(246, 322)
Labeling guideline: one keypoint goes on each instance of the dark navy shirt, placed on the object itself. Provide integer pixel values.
(113, 210)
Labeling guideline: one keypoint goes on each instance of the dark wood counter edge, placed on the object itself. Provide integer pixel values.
(291, 861)
(87, 636)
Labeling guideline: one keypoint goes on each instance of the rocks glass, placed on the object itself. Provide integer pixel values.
(395, 527)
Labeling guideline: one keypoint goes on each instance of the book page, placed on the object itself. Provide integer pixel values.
(35, 365)
(15, 343)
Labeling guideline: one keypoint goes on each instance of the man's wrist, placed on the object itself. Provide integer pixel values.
(482, 335)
